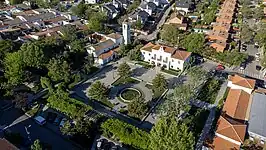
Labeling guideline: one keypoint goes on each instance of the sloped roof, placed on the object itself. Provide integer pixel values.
(241, 81)
(147, 47)
(103, 45)
(114, 36)
(181, 55)
(222, 144)
(236, 104)
(231, 129)
(166, 49)
(106, 54)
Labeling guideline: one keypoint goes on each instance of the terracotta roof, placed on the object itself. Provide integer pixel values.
(5, 145)
(181, 55)
(166, 49)
(222, 144)
(231, 129)
(147, 47)
(56, 19)
(106, 54)
(236, 104)
(241, 81)
(114, 36)
(103, 45)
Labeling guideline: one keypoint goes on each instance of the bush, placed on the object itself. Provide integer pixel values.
(209, 91)
(126, 133)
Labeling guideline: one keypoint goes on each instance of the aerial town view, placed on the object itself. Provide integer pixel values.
(133, 75)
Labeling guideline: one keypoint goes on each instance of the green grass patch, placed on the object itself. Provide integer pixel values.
(107, 103)
(209, 91)
(221, 102)
(130, 94)
(122, 81)
(144, 64)
(171, 71)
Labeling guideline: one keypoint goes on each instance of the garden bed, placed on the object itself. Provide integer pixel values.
(210, 90)
(130, 94)
(144, 64)
(171, 71)
(122, 81)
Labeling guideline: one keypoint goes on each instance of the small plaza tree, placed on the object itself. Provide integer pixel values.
(137, 108)
(159, 83)
(124, 71)
(36, 145)
(97, 91)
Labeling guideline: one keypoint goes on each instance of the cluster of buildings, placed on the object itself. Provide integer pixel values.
(221, 29)
(164, 56)
(114, 8)
(243, 115)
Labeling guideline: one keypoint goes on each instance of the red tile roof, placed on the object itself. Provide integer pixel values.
(181, 55)
(244, 82)
(106, 54)
(222, 144)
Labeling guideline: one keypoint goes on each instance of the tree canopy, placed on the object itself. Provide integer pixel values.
(97, 91)
(193, 42)
(96, 21)
(170, 134)
(6, 46)
(36, 145)
(124, 70)
(159, 83)
(137, 108)
(170, 34)
(58, 70)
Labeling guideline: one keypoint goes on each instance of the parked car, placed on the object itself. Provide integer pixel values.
(40, 120)
(242, 66)
(51, 117)
(219, 67)
(57, 120)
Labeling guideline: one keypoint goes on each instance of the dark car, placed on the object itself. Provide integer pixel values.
(51, 117)
(219, 67)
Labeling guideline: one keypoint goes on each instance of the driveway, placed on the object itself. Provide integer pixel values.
(18, 123)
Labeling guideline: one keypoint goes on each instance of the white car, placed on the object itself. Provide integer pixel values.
(40, 120)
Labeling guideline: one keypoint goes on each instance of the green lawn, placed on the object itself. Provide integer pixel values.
(155, 94)
(210, 90)
(122, 81)
(171, 71)
(129, 94)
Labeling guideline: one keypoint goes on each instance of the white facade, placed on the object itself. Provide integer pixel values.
(234, 86)
(167, 59)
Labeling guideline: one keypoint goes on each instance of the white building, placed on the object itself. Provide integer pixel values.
(164, 56)
(91, 1)
(105, 50)
(126, 33)
(238, 82)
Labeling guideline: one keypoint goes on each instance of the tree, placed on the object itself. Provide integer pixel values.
(20, 99)
(80, 10)
(14, 68)
(138, 24)
(97, 91)
(96, 22)
(124, 71)
(193, 42)
(137, 108)
(6, 46)
(36, 145)
(58, 70)
(135, 54)
(81, 127)
(171, 135)
(69, 33)
(260, 36)
(159, 83)
(258, 13)
(177, 103)
(246, 34)
(77, 46)
(33, 55)
(13, 2)
(196, 76)
(46, 83)
(246, 11)
(170, 34)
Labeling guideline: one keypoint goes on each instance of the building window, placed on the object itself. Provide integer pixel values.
(149, 54)
(143, 53)
(178, 62)
(172, 60)
(148, 60)
(172, 67)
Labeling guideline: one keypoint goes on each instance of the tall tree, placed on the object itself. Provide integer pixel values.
(80, 10)
(137, 108)
(170, 34)
(14, 68)
(159, 83)
(196, 76)
(69, 33)
(96, 22)
(33, 55)
(193, 42)
(97, 91)
(171, 135)
(178, 102)
(6, 46)
(36, 145)
(124, 70)
(246, 34)
(58, 70)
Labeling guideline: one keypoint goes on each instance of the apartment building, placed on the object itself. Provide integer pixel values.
(164, 56)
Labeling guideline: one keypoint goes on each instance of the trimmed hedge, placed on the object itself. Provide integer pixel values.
(126, 133)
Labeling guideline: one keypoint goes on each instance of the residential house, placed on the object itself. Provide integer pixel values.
(229, 135)
(164, 56)
(111, 10)
(219, 45)
(236, 104)
(105, 50)
(241, 83)
(184, 6)
(177, 20)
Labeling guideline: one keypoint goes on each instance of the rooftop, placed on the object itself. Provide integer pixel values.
(241, 81)
(181, 55)
(236, 104)
(257, 120)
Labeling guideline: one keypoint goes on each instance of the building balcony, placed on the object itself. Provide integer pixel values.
(165, 61)
(154, 58)
(159, 59)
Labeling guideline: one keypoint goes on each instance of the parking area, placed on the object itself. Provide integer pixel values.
(30, 130)
(102, 143)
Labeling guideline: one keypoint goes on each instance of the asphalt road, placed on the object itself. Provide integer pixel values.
(17, 123)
